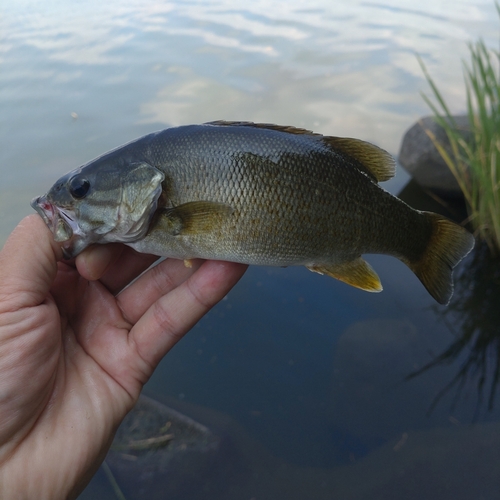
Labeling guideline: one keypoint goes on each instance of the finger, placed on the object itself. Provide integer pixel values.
(116, 265)
(95, 259)
(28, 264)
(135, 300)
(126, 268)
(170, 317)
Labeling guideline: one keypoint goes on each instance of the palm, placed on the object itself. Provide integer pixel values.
(77, 357)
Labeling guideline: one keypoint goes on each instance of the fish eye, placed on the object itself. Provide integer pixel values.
(78, 187)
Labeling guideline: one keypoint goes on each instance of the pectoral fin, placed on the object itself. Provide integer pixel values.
(356, 273)
(194, 217)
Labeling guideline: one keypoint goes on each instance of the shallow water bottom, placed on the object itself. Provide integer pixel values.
(429, 464)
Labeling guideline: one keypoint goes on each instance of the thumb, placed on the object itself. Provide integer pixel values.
(28, 264)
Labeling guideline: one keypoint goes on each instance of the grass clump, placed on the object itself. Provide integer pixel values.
(475, 160)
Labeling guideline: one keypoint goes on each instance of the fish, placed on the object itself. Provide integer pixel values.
(254, 193)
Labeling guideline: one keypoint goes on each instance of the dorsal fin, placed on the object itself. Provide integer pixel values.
(270, 126)
(371, 159)
(374, 160)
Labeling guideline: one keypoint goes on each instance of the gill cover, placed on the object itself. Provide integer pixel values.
(140, 190)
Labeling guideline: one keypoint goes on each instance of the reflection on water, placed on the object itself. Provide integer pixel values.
(310, 372)
(474, 316)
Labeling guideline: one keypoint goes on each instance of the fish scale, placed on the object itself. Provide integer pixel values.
(273, 196)
(258, 194)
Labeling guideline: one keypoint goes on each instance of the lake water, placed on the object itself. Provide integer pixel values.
(305, 374)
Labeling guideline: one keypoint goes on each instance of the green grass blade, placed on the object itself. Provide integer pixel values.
(475, 163)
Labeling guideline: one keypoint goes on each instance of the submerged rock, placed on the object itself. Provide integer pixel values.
(371, 398)
(452, 461)
(420, 158)
(160, 453)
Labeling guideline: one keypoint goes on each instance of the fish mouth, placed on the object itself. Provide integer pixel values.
(61, 222)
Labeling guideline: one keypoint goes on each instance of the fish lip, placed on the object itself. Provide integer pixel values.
(44, 212)
(54, 216)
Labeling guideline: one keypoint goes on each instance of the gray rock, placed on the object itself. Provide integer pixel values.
(419, 157)
(160, 453)
(452, 461)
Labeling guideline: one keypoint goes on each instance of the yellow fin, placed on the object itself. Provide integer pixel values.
(357, 273)
(367, 157)
(370, 158)
(194, 217)
(448, 245)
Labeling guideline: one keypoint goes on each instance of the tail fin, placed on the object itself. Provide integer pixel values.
(448, 245)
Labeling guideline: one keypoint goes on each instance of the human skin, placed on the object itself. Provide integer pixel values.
(76, 348)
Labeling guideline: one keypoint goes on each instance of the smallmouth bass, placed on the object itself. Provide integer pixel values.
(256, 194)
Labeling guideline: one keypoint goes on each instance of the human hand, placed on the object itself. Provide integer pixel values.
(76, 347)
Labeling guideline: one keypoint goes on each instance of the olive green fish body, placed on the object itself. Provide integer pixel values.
(257, 194)
(294, 200)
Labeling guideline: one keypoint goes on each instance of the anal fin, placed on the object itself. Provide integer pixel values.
(357, 273)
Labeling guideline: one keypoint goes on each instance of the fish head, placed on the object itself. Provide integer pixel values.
(101, 202)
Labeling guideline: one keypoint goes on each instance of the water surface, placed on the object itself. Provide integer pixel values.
(310, 371)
